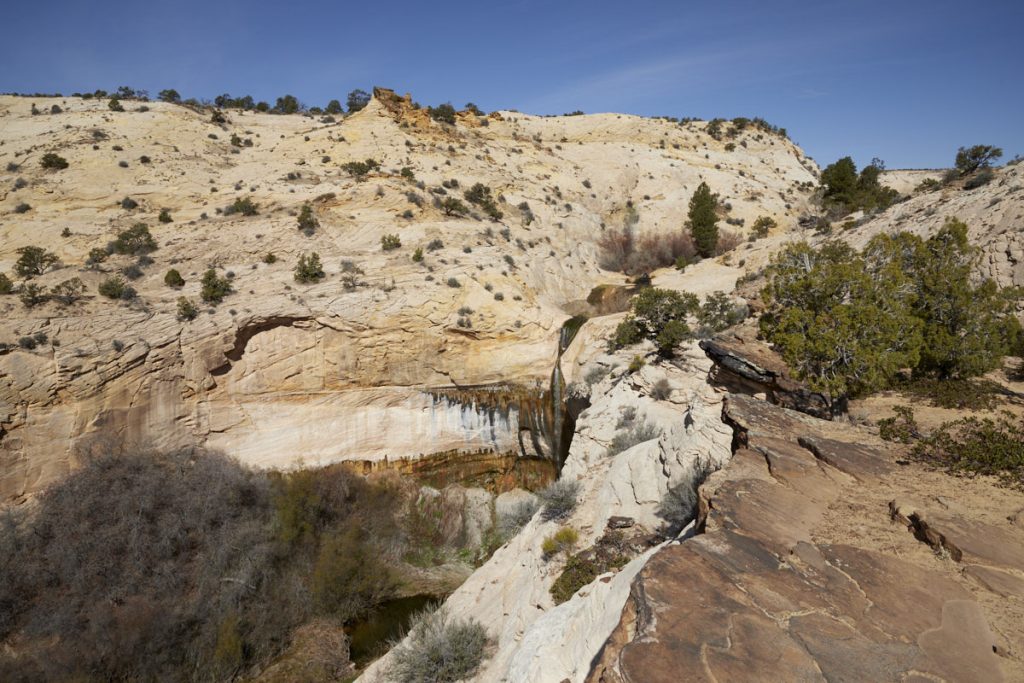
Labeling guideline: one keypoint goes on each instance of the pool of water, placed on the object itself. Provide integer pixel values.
(371, 637)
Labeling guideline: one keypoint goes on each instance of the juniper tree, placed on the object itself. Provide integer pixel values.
(703, 220)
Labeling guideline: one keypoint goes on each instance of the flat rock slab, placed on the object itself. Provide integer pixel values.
(966, 540)
(864, 463)
(996, 580)
(752, 417)
(723, 607)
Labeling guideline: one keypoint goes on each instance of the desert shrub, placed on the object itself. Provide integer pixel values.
(454, 282)
(608, 554)
(6, 286)
(349, 577)
(128, 204)
(659, 315)
(718, 313)
(417, 255)
(20, 183)
(22, 208)
(983, 177)
(97, 255)
(973, 446)
(32, 295)
(621, 250)
(214, 288)
(309, 269)
(445, 113)
(559, 498)
(453, 207)
(901, 427)
(115, 104)
(960, 394)
(970, 159)
(242, 205)
(34, 261)
(510, 521)
(928, 185)
(173, 278)
(390, 242)
(360, 169)
(165, 216)
(114, 287)
(68, 292)
(270, 258)
(727, 241)
(639, 432)
(661, 390)
(439, 649)
(480, 195)
(562, 541)
(846, 190)
(136, 240)
(763, 225)
(307, 221)
(53, 161)
(186, 309)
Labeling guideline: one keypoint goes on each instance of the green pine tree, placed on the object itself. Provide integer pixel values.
(703, 220)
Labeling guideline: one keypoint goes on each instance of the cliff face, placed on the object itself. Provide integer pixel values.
(282, 373)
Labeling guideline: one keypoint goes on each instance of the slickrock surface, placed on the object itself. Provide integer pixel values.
(810, 568)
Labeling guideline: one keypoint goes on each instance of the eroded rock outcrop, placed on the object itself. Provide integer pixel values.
(758, 597)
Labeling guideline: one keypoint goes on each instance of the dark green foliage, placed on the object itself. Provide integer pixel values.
(480, 195)
(961, 394)
(68, 292)
(453, 207)
(32, 295)
(128, 204)
(186, 309)
(981, 178)
(356, 100)
(659, 315)
(115, 104)
(114, 287)
(445, 113)
(360, 169)
(34, 261)
(287, 104)
(417, 255)
(714, 128)
(847, 191)
(390, 242)
(762, 225)
(174, 279)
(244, 206)
(97, 255)
(53, 161)
(848, 322)
(169, 95)
(135, 241)
(309, 269)
(970, 159)
(165, 216)
(608, 554)
(333, 107)
(718, 312)
(214, 288)
(6, 286)
(846, 330)
(972, 446)
(439, 649)
(703, 220)
(22, 208)
(307, 220)
(901, 427)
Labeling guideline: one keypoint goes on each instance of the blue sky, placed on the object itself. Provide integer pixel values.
(907, 81)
